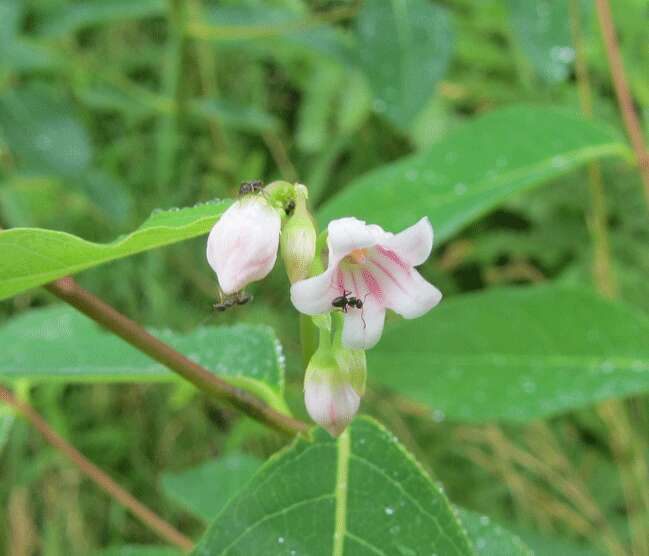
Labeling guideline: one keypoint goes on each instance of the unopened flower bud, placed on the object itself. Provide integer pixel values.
(298, 239)
(332, 393)
(242, 246)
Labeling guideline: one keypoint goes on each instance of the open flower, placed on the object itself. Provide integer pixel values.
(242, 246)
(375, 267)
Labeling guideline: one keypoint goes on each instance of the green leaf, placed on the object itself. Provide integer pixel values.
(73, 348)
(489, 538)
(204, 490)
(138, 550)
(404, 47)
(361, 494)
(516, 354)
(543, 31)
(78, 15)
(473, 170)
(32, 257)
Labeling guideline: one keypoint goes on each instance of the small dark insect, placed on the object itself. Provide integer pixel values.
(242, 299)
(346, 300)
(239, 298)
(248, 187)
(289, 208)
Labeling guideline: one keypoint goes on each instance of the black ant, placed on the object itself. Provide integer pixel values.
(346, 300)
(248, 187)
(289, 208)
(238, 299)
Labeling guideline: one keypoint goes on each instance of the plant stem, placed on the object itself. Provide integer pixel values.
(624, 100)
(597, 219)
(101, 479)
(69, 291)
(626, 446)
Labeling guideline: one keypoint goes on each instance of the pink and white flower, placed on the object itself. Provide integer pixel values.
(242, 246)
(376, 267)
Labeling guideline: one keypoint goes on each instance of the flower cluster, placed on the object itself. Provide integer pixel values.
(368, 271)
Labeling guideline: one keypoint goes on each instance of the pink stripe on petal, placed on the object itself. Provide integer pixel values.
(391, 276)
(340, 279)
(388, 253)
(373, 285)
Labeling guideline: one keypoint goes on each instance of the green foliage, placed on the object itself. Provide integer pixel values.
(388, 111)
(204, 490)
(516, 354)
(488, 538)
(460, 178)
(414, 41)
(314, 497)
(33, 257)
(73, 348)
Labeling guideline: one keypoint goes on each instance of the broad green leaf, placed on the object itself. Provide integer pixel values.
(543, 30)
(360, 494)
(474, 169)
(78, 15)
(32, 257)
(60, 344)
(404, 47)
(204, 490)
(516, 354)
(138, 550)
(489, 538)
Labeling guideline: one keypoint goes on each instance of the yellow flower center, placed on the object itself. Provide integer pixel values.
(358, 256)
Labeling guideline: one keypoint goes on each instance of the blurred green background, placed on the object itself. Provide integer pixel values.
(112, 109)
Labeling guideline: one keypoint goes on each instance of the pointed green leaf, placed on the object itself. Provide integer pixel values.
(360, 494)
(32, 256)
(474, 169)
(516, 354)
(413, 40)
(60, 344)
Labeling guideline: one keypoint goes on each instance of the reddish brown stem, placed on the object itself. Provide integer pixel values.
(143, 513)
(69, 291)
(622, 92)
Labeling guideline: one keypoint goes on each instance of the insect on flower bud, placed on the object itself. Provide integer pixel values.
(242, 246)
(332, 394)
(298, 239)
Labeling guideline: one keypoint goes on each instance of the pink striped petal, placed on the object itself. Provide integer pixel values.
(404, 289)
(413, 244)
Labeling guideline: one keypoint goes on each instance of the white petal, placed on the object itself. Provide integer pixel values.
(242, 245)
(414, 244)
(362, 328)
(347, 234)
(404, 290)
(314, 295)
